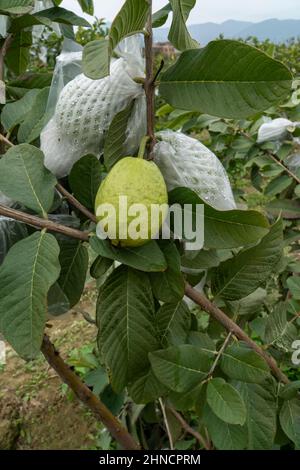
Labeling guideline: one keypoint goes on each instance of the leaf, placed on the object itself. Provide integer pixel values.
(26, 21)
(97, 379)
(28, 271)
(85, 179)
(173, 322)
(146, 388)
(61, 15)
(160, 17)
(16, 7)
(125, 318)
(100, 266)
(179, 35)
(130, 20)
(18, 54)
(197, 260)
(242, 363)
(290, 390)
(87, 6)
(168, 286)
(260, 400)
(279, 330)
(116, 137)
(58, 303)
(289, 418)
(181, 368)
(244, 273)
(14, 113)
(147, 257)
(286, 208)
(226, 402)
(32, 126)
(11, 232)
(224, 436)
(201, 340)
(24, 178)
(227, 79)
(277, 185)
(294, 286)
(74, 260)
(224, 229)
(249, 305)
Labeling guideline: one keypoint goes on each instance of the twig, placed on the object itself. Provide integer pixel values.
(219, 354)
(189, 429)
(6, 141)
(289, 172)
(149, 85)
(85, 395)
(166, 423)
(231, 326)
(85, 315)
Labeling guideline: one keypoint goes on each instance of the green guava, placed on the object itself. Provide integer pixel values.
(142, 183)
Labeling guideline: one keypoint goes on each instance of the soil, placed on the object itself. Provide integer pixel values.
(36, 410)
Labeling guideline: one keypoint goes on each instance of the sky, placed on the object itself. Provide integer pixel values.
(210, 10)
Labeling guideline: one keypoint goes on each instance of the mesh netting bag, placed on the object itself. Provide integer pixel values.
(276, 129)
(85, 109)
(186, 162)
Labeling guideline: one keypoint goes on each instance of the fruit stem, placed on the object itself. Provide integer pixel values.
(143, 145)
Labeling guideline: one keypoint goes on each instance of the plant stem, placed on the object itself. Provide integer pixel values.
(232, 327)
(166, 423)
(189, 429)
(143, 145)
(149, 82)
(84, 394)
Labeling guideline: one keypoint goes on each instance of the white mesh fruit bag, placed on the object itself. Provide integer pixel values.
(186, 162)
(86, 108)
(275, 129)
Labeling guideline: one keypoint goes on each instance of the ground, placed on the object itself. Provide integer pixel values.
(33, 400)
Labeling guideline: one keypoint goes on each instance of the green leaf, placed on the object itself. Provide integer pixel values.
(168, 286)
(290, 390)
(226, 402)
(286, 208)
(290, 420)
(100, 266)
(130, 20)
(227, 79)
(28, 271)
(242, 363)
(125, 318)
(277, 185)
(279, 330)
(74, 260)
(179, 35)
(16, 7)
(61, 15)
(147, 257)
(201, 340)
(197, 260)
(24, 178)
(85, 179)
(249, 305)
(11, 232)
(224, 436)
(14, 113)
(87, 6)
(34, 122)
(27, 21)
(173, 322)
(18, 54)
(181, 368)
(224, 229)
(294, 286)
(116, 137)
(239, 276)
(146, 388)
(98, 379)
(260, 400)
(160, 17)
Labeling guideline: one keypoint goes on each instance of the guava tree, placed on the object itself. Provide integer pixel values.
(199, 361)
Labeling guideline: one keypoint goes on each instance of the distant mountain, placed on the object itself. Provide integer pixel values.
(273, 29)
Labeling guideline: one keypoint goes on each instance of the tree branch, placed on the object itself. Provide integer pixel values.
(189, 429)
(149, 85)
(232, 327)
(84, 394)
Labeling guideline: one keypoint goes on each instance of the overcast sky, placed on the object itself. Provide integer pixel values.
(211, 10)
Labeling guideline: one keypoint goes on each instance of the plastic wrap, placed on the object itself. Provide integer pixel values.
(276, 129)
(186, 162)
(85, 108)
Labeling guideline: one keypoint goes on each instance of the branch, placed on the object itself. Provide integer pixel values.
(37, 222)
(232, 327)
(166, 423)
(149, 85)
(219, 354)
(189, 429)
(84, 394)
(3, 53)
(289, 172)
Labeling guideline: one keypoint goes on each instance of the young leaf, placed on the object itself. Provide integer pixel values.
(85, 179)
(148, 257)
(227, 79)
(116, 136)
(241, 363)
(173, 322)
(168, 286)
(24, 178)
(29, 270)
(125, 314)
(181, 368)
(290, 420)
(224, 436)
(239, 276)
(226, 402)
(179, 35)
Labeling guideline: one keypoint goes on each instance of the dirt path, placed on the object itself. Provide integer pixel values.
(36, 410)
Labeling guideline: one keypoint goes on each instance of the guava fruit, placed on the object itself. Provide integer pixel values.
(132, 181)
